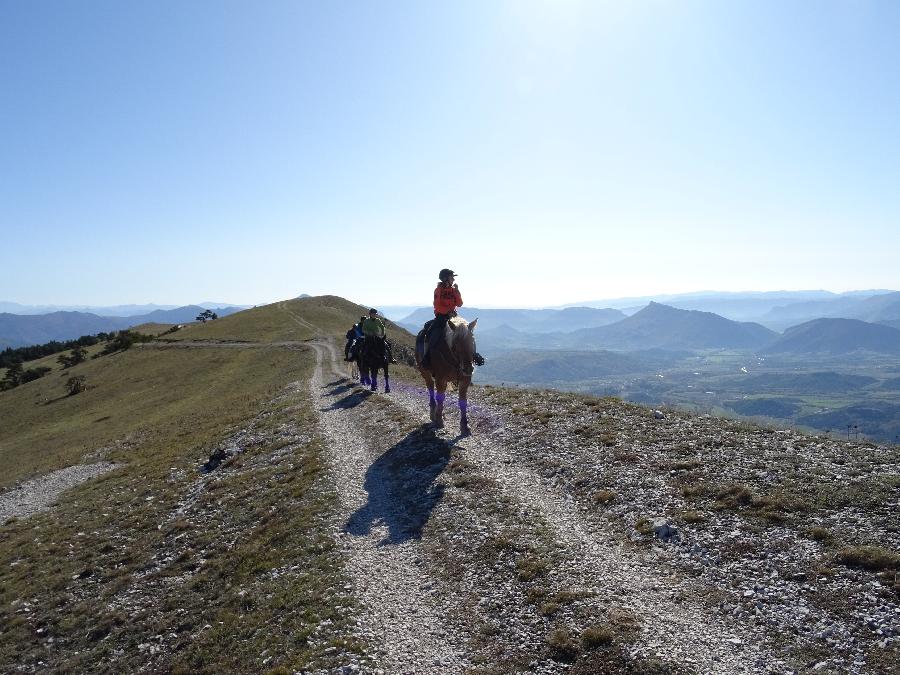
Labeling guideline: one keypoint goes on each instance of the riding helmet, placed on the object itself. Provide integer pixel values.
(445, 274)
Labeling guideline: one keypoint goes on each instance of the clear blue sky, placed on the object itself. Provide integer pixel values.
(551, 152)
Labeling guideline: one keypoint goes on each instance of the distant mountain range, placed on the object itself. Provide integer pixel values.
(884, 307)
(113, 310)
(19, 330)
(524, 320)
(662, 326)
(100, 310)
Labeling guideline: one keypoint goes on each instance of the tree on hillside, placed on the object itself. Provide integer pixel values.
(16, 375)
(207, 315)
(76, 356)
(9, 355)
(121, 341)
(13, 376)
(34, 373)
(76, 384)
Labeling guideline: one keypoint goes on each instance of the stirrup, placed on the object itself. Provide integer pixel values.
(478, 359)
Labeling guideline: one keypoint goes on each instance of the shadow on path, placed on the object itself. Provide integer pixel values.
(401, 488)
(339, 387)
(350, 400)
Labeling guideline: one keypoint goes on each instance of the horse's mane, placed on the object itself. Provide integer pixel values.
(458, 321)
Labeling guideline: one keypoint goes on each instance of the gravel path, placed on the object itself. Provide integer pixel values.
(685, 632)
(674, 628)
(40, 493)
(401, 615)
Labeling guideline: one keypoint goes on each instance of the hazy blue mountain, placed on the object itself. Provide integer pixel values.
(659, 326)
(179, 315)
(20, 330)
(883, 306)
(837, 336)
(102, 310)
(879, 308)
(743, 306)
(17, 330)
(397, 312)
(525, 320)
(113, 310)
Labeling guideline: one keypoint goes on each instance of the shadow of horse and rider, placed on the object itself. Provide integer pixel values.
(401, 483)
(402, 489)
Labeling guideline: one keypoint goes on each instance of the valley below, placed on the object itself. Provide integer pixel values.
(859, 394)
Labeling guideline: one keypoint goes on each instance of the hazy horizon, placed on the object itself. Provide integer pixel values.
(559, 305)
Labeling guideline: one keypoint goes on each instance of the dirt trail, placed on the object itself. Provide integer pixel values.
(400, 613)
(674, 627)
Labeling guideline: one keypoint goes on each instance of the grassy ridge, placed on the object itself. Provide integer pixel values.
(155, 565)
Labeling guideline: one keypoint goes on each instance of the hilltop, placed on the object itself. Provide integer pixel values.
(335, 531)
(659, 326)
(837, 336)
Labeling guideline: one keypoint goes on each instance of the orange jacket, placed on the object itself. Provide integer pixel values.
(446, 299)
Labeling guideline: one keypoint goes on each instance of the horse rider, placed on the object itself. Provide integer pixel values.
(446, 299)
(373, 327)
(354, 334)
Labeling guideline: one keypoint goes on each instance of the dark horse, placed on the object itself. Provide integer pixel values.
(450, 361)
(372, 357)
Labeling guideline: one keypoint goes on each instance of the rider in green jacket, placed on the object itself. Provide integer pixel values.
(374, 327)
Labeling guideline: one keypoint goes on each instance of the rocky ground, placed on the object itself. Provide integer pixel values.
(38, 494)
(576, 534)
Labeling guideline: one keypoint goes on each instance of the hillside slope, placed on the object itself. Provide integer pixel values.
(837, 336)
(266, 514)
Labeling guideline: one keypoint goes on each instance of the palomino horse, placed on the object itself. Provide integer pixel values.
(372, 357)
(450, 361)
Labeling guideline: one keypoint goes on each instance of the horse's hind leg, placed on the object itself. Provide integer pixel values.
(374, 380)
(463, 417)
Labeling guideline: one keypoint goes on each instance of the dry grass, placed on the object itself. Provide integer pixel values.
(873, 558)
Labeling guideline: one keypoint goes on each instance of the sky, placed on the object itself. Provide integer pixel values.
(549, 152)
